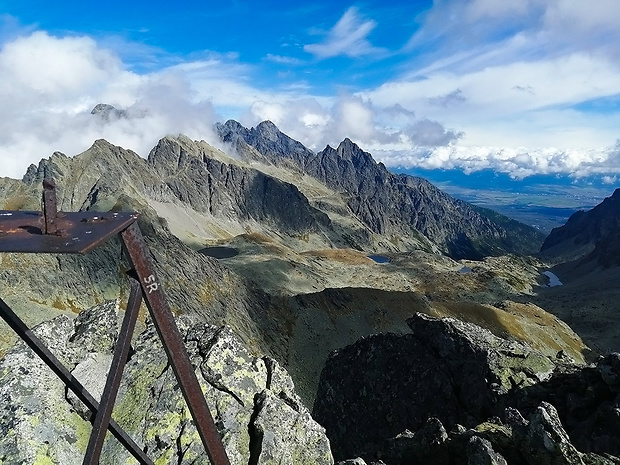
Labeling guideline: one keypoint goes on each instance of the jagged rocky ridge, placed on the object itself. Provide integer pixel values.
(402, 211)
(253, 400)
(588, 234)
(389, 204)
(452, 393)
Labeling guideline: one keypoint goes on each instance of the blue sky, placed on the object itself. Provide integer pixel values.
(521, 87)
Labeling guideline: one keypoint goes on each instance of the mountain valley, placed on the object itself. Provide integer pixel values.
(299, 231)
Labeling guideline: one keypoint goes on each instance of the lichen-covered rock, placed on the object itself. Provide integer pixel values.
(36, 424)
(252, 400)
(285, 434)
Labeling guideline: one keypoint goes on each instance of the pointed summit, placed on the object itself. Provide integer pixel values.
(108, 112)
(269, 131)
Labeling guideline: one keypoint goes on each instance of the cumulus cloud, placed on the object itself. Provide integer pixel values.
(427, 133)
(518, 162)
(50, 85)
(348, 37)
(505, 86)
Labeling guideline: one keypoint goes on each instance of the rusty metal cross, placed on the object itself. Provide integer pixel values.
(51, 231)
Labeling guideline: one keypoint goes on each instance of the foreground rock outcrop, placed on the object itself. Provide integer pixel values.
(453, 393)
(252, 399)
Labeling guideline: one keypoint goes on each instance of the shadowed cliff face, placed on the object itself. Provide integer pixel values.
(585, 255)
(583, 231)
(221, 189)
(388, 204)
(452, 393)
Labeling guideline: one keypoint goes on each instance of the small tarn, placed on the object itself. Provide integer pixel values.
(219, 252)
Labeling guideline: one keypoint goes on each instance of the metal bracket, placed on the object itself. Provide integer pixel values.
(51, 231)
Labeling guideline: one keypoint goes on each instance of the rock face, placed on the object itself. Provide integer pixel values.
(445, 369)
(209, 185)
(389, 204)
(452, 393)
(252, 399)
(584, 230)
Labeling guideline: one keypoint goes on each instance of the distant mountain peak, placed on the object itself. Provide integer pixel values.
(385, 203)
(269, 131)
(268, 125)
(232, 124)
(108, 112)
(346, 143)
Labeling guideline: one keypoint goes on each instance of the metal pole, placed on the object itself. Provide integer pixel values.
(121, 351)
(68, 379)
(139, 256)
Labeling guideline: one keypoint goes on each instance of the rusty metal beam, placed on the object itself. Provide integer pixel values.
(51, 231)
(40, 349)
(49, 208)
(140, 258)
(77, 232)
(108, 398)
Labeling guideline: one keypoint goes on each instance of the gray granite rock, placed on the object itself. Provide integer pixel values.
(453, 371)
(253, 401)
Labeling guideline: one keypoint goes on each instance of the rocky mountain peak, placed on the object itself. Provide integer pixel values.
(349, 150)
(269, 130)
(102, 144)
(347, 146)
(386, 203)
(232, 125)
(108, 112)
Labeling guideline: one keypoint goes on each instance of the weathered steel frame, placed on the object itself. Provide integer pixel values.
(58, 232)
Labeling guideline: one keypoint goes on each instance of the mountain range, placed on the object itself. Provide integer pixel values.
(317, 250)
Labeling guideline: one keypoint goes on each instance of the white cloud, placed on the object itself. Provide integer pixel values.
(517, 162)
(348, 37)
(502, 88)
(283, 60)
(50, 84)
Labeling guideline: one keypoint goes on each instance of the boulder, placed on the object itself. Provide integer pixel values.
(453, 371)
(253, 401)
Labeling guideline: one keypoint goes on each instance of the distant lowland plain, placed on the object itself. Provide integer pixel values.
(542, 201)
